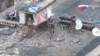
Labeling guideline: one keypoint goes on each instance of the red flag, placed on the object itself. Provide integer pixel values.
(40, 19)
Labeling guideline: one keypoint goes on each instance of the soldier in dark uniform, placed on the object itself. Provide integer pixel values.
(30, 27)
(51, 25)
(72, 25)
(30, 22)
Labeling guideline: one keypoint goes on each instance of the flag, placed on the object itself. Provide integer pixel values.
(40, 19)
(82, 7)
(49, 12)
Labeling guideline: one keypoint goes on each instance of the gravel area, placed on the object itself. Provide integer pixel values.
(62, 43)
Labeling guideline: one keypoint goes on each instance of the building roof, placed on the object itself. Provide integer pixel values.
(41, 5)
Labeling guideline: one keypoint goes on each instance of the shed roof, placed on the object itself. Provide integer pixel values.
(40, 4)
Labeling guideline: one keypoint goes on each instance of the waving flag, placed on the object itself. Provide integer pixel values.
(40, 19)
(82, 7)
(49, 12)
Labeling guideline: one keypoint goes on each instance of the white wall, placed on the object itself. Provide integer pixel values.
(22, 18)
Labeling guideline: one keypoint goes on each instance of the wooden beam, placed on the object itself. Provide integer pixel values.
(7, 22)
